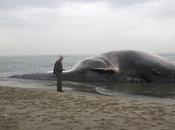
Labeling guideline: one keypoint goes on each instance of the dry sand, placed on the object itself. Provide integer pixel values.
(24, 109)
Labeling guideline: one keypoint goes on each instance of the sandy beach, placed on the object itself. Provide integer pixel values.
(26, 109)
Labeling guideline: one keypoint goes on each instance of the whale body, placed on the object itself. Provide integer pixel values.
(116, 66)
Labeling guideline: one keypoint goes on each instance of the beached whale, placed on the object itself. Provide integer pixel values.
(116, 66)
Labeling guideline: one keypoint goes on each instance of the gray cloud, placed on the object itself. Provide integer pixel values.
(127, 2)
(164, 9)
(20, 12)
(62, 25)
(7, 4)
(4, 4)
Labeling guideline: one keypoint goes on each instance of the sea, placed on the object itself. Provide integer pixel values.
(16, 65)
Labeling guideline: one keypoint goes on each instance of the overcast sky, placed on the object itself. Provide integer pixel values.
(30, 27)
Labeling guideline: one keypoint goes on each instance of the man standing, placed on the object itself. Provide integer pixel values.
(58, 68)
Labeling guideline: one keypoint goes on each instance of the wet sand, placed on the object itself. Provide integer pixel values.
(26, 109)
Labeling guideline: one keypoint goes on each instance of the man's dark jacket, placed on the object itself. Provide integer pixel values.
(58, 68)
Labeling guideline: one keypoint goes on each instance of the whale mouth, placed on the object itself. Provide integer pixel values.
(47, 80)
(36, 76)
(43, 80)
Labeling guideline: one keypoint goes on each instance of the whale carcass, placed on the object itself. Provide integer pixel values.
(116, 66)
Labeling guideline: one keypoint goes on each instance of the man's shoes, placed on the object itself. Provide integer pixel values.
(60, 91)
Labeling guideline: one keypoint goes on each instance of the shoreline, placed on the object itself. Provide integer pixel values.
(27, 109)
